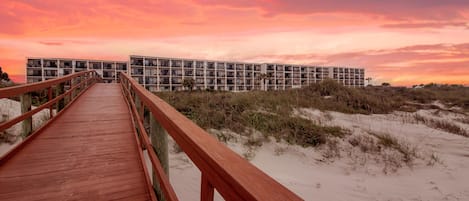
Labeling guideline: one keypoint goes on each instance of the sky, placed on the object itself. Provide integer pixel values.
(403, 42)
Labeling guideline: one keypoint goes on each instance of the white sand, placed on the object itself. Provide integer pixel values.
(305, 172)
(10, 109)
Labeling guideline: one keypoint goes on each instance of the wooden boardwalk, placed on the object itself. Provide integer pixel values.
(88, 153)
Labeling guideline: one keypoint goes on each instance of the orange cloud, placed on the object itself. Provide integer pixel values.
(443, 63)
(397, 41)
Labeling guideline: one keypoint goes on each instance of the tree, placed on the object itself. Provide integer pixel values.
(188, 83)
(385, 84)
(4, 75)
(369, 80)
(263, 77)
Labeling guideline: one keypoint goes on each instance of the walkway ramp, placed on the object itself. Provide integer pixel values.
(88, 153)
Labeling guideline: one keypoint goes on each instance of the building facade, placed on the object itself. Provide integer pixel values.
(169, 74)
(41, 69)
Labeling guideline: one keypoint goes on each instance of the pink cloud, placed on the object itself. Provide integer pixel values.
(413, 25)
(50, 43)
(397, 9)
(418, 63)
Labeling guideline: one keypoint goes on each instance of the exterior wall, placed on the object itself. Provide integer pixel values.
(287, 76)
(168, 74)
(41, 69)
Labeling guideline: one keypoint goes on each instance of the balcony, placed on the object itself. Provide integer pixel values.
(164, 62)
(136, 61)
(121, 66)
(108, 66)
(109, 75)
(150, 81)
(50, 64)
(199, 73)
(81, 65)
(151, 62)
(188, 73)
(176, 72)
(199, 64)
(34, 72)
(164, 80)
(230, 66)
(188, 64)
(176, 63)
(176, 80)
(257, 67)
(137, 71)
(67, 71)
(52, 73)
(164, 72)
(95, 65)
(65, 64)
(34, 63)
(210, 65)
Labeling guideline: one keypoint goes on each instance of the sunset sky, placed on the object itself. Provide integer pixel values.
(403, 42)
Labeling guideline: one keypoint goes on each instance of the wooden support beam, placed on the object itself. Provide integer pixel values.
(159, 140)
(72, 84)
(49, 98)
(59, 90)
(27, 124)
(206, 189)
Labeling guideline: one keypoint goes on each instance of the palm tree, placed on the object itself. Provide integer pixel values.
(263, 77)
(188, 83)
(369, 80)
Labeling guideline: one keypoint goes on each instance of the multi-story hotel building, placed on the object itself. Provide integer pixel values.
(168, 74)
(40, 69)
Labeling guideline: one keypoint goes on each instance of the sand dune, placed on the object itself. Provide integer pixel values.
(312, 176)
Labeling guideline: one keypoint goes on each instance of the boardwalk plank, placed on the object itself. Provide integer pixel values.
(88, 153)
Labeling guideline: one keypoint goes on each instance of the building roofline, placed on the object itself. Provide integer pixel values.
(76, 59)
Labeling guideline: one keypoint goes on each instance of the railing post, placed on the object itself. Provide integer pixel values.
(206, 189)
(26, 107)
(87, 75)
(159, 140)
(72, 84)
(138, 104)
(49, 96)
(79, 85)
(58, 91)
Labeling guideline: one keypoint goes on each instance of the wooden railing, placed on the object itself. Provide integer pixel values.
(222, 169)
(61, 92)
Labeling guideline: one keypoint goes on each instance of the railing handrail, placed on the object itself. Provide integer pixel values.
(230, 174)
(13, 91)
(86, 79)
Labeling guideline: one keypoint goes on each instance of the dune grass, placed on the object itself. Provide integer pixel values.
(271, 111)
(442, 125)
